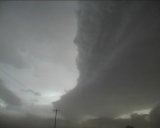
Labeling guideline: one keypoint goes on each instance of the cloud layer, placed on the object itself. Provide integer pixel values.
(118, 61)
(8, 96)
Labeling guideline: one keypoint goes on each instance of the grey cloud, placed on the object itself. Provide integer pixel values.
(136, 121)
(150, 120)
(118, 61)
(37, 28)
(30, 120)
(30, 91)
(8, 96)
(155, 116)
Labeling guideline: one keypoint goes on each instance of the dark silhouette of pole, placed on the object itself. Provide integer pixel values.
(129, 126)
(55, 119)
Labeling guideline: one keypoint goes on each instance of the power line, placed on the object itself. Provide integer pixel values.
(13, 78)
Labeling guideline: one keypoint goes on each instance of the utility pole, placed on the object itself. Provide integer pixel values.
(55, 119)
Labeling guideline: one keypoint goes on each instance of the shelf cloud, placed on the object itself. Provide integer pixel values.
(118, 60)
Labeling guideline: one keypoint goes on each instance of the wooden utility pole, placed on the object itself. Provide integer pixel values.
(55, 119)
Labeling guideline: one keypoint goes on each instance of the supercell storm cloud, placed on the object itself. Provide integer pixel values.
(112, 47)
(118, 60)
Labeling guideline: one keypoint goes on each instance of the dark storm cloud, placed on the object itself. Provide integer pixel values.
(119, 51)
(137, 121)
(151, 120)
(155, 116)
(8, 96)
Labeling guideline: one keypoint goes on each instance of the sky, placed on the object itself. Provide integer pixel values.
(92, 59)
(37, 53)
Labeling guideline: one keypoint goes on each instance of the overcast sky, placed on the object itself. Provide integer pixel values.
(113, 63)
(37, 54)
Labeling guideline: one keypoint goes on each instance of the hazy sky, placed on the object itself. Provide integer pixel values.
(37, 54)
